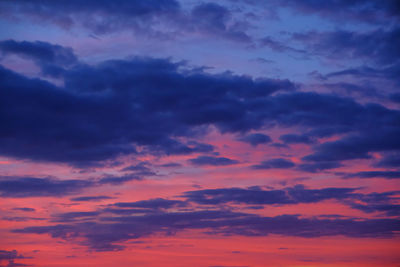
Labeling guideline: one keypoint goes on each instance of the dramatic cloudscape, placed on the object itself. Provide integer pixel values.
(195, 133)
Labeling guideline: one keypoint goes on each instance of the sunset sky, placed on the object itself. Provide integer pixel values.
(195, 133)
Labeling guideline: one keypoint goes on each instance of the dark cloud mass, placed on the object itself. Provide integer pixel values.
(370, 11)
(25, 209)
(11, 256)
(40, 119)
(91, 198)
(153, 99)
(105, 110)
(256, 139)
(213, 161)
(102, 236)
(116, 180)
(359, 145)
(384, 203)
(390, 73)
(318, 166)
(41, 52)
(131, 220)
(140, 17)
(389, 160)
(40, 187)
(212, 18)
(295, 139)
(51, 59)
(23, 186)
(375, 174)
(374, 202)
(99, 16)
(379, 45)
(278, 163)
(294, 195)
(157, 203)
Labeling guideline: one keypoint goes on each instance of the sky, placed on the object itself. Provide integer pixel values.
(195, 133)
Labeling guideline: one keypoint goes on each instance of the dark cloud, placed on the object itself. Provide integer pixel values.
(388, 209)
(217, 20)
(255, 139)
(99, 16)
(142, 18)
(25, 209)
(14, 264)
(386, 203)
(118, 7)
(11, 256)
(116, 180)
(42, 53)
(390, 73)
(75, 216)
(395, 97)
(238, 195)
(278, 163)
(279, 145)
(22, 186)
(214, 15)
(318, 166)
(214, 161)
(389, 160)
(102, 236)
(39, 51)
(380, 46)
(42, 120)
(257, 196)
(129, 211)
(376, 132)
(290, 225)
(156, 203)
(119, 104)
(322, 112)
(21, 218)
(171, 165)
(295, 139)
(140, 169)
(91, 198)
(279, 46)
(303, 195)
(374, 174)
(369, 11)
(351, 89)
(363, 71)
(368, 128)
(131, 220)
(359, 146)
(40, 187)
